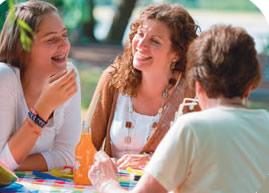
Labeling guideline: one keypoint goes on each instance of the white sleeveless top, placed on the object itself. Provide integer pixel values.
(139, 132)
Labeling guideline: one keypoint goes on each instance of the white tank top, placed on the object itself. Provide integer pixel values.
(139, 133)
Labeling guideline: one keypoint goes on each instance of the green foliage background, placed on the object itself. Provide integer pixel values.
(76, 11)
(3, 10)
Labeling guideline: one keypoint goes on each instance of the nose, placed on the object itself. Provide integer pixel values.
(64, 43)
(142, 43)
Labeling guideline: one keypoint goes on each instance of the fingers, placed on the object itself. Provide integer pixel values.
(67, 83)
(71, 89)
(101, 156)
(102, 170)
(57, 76)
(69, 77)
(135, 161)
(129, 157)
(62, 79)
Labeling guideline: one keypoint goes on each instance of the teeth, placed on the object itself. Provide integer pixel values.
(142, 56)
(59, 58)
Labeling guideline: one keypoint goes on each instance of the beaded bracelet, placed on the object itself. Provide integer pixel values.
(32, 114)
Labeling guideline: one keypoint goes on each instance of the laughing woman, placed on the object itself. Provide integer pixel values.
(141, 91)
(39, 97)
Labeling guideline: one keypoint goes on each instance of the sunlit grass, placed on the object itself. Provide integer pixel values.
(88, 81)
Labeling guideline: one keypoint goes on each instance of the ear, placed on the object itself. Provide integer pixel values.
(176, 56)
(198, 88)
(247, 92)
(201, 94)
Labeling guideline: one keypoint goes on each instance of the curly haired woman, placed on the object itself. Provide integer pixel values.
(139, 94)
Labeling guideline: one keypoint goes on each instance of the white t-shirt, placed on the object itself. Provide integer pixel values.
(58, 138)
(139, 133)
(221, 149)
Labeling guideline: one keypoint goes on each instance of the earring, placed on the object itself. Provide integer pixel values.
(173, 65)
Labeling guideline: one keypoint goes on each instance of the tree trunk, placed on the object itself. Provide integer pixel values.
(120, 20)
(88, 26)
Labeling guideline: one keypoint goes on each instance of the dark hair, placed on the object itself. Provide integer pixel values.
(31, 12)
(224, 61)
(183, 31)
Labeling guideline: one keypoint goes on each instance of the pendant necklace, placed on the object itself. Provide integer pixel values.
(130, 124)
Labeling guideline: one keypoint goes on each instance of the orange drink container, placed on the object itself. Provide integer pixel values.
(84, 155)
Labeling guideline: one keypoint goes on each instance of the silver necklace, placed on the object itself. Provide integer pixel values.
(130, 125)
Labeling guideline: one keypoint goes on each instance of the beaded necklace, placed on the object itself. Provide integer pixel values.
(130, 125)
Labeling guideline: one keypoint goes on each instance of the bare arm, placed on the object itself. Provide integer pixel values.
(148, 184)
(33, 162)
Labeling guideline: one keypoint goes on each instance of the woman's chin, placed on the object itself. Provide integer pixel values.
(60, 67)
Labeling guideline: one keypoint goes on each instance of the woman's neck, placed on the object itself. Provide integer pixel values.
(152, 85)
(229, 102)
(32, 85)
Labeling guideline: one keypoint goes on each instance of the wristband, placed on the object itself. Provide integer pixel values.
(32, 114)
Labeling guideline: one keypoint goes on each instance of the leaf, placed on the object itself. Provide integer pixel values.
(12, 11)
(25, 26)
(27, 44)
(25, 40)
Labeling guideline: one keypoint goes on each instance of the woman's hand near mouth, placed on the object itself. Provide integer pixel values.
(57, 90)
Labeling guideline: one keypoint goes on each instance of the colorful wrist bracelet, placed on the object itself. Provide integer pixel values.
(32, 114)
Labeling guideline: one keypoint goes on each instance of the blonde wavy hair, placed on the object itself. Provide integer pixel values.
(183, 30)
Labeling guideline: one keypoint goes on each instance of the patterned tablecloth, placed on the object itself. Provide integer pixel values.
(30, 183)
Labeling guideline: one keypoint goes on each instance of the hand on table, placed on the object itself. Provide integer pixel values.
(135, 161)
(103, 171)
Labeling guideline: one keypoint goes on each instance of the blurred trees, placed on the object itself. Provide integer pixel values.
(79, 17)
(89, 22)
(120, 20)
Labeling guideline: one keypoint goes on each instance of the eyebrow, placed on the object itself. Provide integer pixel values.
(53, 32)
(161, 37)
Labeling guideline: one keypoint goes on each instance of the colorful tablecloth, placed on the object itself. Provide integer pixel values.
(33, 184)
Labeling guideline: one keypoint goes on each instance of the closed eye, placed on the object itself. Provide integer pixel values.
(52, 39)
(155, 41)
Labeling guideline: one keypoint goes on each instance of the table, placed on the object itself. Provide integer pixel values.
(34, 184)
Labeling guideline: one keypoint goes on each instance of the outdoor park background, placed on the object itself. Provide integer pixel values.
(98, 28)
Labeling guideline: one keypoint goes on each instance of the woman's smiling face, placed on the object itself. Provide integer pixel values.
(50, 47)
(152, 47)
